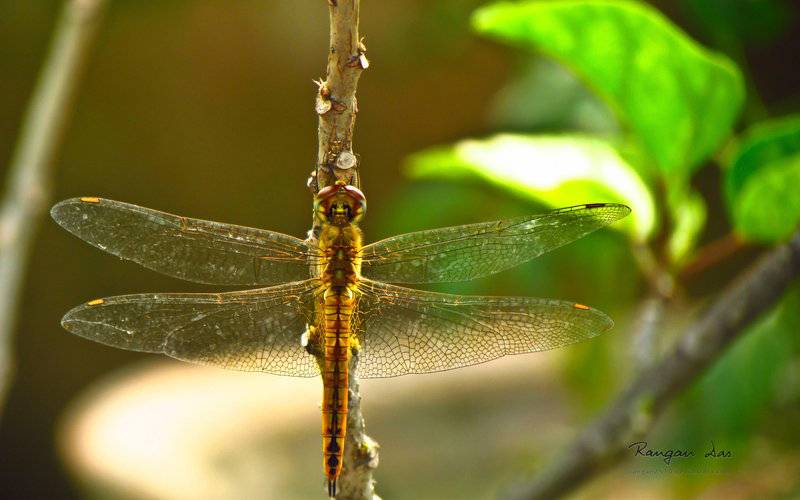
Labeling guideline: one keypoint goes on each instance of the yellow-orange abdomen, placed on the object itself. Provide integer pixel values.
(338, 208)
(338, 303)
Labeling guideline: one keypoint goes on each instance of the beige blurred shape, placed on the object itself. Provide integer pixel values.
(161, 430)
(154, 430)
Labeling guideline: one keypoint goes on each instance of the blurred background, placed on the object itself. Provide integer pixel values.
(205, 109)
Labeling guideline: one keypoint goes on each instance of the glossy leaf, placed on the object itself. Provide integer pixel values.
(688, 211)
(768, 208)
(553, 170)
(762, 179)
(679, 99)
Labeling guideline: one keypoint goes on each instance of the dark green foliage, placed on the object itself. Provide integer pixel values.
(762, 182)
(735, 395)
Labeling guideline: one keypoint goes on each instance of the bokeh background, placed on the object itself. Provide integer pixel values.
(205, 109)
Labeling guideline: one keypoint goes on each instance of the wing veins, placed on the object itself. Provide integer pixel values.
(467, 252)
(579, 209)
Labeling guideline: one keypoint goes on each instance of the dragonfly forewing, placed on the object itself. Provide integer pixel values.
(191, 249)
(254, 330)
(462, 253)
(403, 331)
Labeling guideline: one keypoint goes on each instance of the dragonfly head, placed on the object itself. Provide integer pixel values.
(340, 204)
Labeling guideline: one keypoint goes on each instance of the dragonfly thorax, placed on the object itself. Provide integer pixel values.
(341, 247)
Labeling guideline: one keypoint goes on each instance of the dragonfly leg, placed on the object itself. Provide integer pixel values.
(312, 341)
(355, 346)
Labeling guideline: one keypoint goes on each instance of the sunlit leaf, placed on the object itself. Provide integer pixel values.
(554, 170)
(762, 182)
(688, 211)
(679, 99)
(768, 208)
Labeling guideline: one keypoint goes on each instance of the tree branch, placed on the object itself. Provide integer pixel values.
(336, 99)
(602, 443)
(28, 184)
(337, 108)
(712, 254)
(661, 282)
(360, 451)
(647, 321)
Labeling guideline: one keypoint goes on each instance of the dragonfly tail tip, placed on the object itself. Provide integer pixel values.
(332, 488)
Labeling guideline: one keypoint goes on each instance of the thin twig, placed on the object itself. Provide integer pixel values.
(626, 420)
(337, 108)
(661, 282)
(712, 254)
(644, 329)
(649, 314)
(336, 99)
(28, 185)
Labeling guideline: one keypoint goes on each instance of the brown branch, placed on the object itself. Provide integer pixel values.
(712, 254)
(337, 108)
(28, 184)
(602, 443)
(336, 99)
(360, 451)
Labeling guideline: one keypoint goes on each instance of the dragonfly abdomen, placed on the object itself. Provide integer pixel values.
(338, 303)
(339, 241)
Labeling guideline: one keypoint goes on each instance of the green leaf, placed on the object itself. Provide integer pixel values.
(688, 210)
(763, 143)
(768, 208)
(742, 21)
(679, 99)
(762, 179)
(736, 393)
(554, 170)
(544, 95)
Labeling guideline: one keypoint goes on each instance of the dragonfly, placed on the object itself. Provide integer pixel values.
(322, 300)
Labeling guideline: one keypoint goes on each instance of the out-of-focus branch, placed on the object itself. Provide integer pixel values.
(644, 329)
(661, 282)
(712, 254)
(650, 311)
(28, 183)
(336, 100)
(602, 443)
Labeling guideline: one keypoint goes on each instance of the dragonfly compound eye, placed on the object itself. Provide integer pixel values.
(341, 200)
(359, 200)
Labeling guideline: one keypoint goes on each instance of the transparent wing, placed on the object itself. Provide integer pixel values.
(190, 249)
(403, 331)
(253, 330)
(462, 253)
